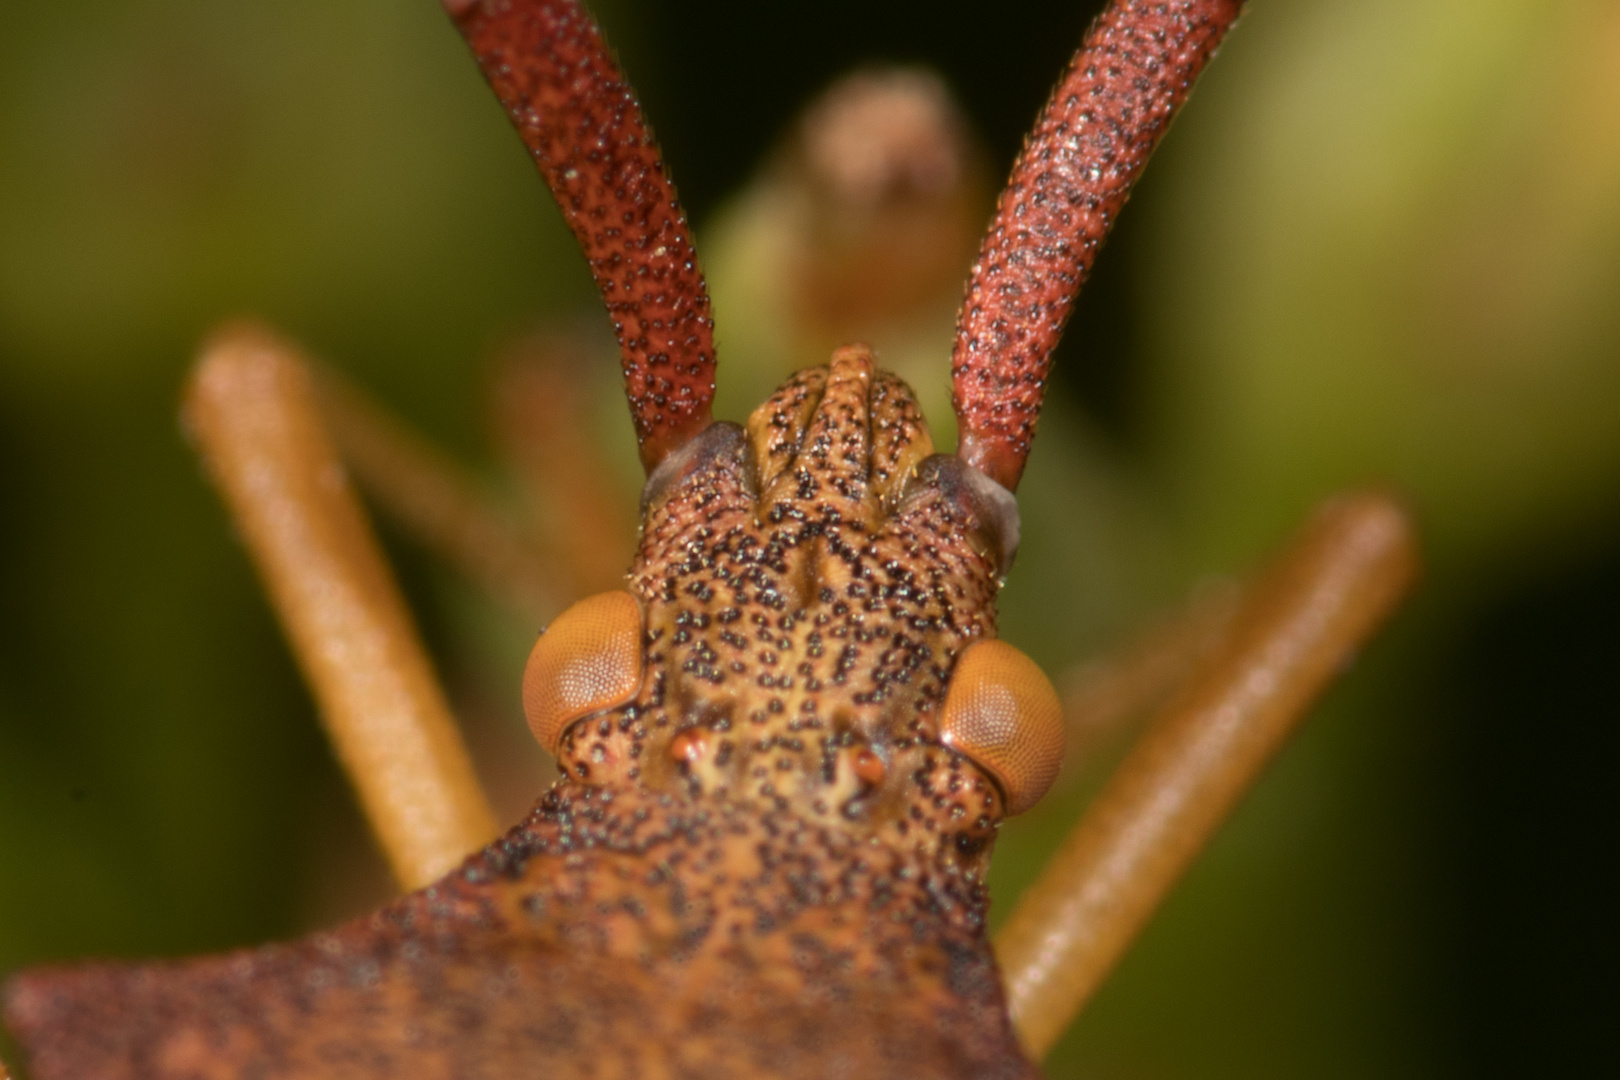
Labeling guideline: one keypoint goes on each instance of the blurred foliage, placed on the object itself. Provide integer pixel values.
(1381, 245)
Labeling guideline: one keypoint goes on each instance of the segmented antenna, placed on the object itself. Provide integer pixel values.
(569, 101)
(1076, 170)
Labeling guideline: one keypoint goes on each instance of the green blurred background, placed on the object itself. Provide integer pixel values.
(1381, 245)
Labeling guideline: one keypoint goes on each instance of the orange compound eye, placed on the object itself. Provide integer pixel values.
(587, 660)
(1002, 712)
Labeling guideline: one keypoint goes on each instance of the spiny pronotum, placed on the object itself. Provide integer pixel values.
(786, 745)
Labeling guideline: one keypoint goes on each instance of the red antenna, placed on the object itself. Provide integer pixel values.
(546, 61)
(1075, 172)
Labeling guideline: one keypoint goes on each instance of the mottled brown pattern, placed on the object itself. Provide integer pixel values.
(1090, 144)
(616, 933)
(796, 628)
(547, 63)
(764, 866)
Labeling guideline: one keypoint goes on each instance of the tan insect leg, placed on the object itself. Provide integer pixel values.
(542, 422)
(252, 409)
(437, 501)
(1105, 696)
(1296, 627)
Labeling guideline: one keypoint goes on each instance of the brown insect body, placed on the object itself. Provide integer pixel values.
(768, 862)
(764, 909)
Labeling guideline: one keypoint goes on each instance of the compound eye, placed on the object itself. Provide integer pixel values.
(587, 660)
(1002, 712)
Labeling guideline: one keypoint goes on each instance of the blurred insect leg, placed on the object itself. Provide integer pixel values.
(438, 502)
(1298, 624)
(1106, 696)
(251, 407)
(541, 413)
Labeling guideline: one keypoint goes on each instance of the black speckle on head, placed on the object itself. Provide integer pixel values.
(815, 577)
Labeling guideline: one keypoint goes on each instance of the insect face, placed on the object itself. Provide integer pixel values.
(808, 585)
